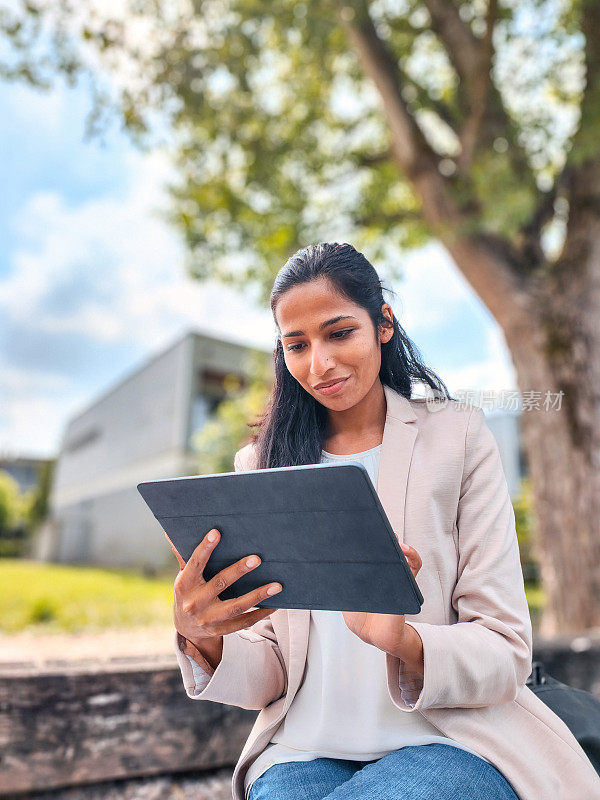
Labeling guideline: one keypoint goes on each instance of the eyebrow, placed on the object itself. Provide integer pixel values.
(325, 324)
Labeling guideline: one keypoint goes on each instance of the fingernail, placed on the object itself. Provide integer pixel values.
(252, 562)
(273, 589)
(212, 536)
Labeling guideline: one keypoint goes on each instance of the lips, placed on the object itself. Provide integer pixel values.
(333, 388)
(329, 383)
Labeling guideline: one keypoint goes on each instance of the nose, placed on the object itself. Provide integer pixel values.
(320, 360)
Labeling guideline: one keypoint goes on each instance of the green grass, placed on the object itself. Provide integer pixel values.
(63, 598)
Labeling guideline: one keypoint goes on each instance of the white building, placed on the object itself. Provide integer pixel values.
(141, 429)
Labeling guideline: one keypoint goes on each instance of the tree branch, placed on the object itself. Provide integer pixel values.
(410, 147)
(463, 48)
(583, 163)
(472, 60)
(486, 117)
(488, 265)
(531, 247)
(479, 92)
(585, 141)
(388, 219)
(443, 111)
(372, 159)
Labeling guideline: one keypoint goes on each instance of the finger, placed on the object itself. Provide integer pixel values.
(238, 605)
(219, 582)
(202, 553)
(176, 553)
(414, 561)
(244, 621)
(412, 556)
(197, 561)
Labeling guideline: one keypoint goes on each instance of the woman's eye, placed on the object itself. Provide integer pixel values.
(342, 336)
(334, 335)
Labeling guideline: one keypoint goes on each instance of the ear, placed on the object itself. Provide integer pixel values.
(386, 332)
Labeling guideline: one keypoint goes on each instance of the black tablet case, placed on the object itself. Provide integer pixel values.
(319, 529)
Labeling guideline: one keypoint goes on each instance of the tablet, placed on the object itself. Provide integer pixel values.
(320, 531)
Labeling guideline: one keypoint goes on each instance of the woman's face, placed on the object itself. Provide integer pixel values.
(319, 348)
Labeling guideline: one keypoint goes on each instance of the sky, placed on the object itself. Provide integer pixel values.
(92, 281)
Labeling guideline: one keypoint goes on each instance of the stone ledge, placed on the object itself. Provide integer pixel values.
(211, 785)
(75, 666)
(87, 724)
(84, 722)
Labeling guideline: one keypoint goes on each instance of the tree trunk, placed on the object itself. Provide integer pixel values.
(552, 329)
(564, 447)
(566, 494)
(554, 339)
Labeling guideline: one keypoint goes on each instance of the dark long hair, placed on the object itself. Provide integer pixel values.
(291, 430)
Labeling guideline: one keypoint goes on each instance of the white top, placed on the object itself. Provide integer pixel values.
(328, 717)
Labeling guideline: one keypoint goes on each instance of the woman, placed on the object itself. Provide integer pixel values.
(338, 691)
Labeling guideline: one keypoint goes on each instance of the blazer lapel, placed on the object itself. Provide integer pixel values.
(399, 434)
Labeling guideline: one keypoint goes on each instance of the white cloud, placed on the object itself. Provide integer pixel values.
(431, 290)
(107, 271)
(111, 268)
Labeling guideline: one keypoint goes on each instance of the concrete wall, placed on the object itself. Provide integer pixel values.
(137, 424)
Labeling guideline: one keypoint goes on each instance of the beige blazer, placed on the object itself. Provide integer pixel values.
(442, 485)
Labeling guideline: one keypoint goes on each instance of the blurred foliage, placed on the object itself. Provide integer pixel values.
(65, 598)
(12, 503)
(15, 514)
(280, 139)
(536, 602)
(222, 435)
(41, 494)
(22, 512)
(525, 524)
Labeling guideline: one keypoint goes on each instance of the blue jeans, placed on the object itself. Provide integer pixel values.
(414, 772)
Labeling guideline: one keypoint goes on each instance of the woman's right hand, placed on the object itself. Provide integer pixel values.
(198, 613)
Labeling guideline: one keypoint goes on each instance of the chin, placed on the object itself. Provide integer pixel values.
(337, 403)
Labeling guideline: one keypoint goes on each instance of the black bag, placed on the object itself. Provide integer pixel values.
(578, 709)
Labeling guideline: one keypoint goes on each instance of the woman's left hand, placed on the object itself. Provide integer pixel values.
(385, 631)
